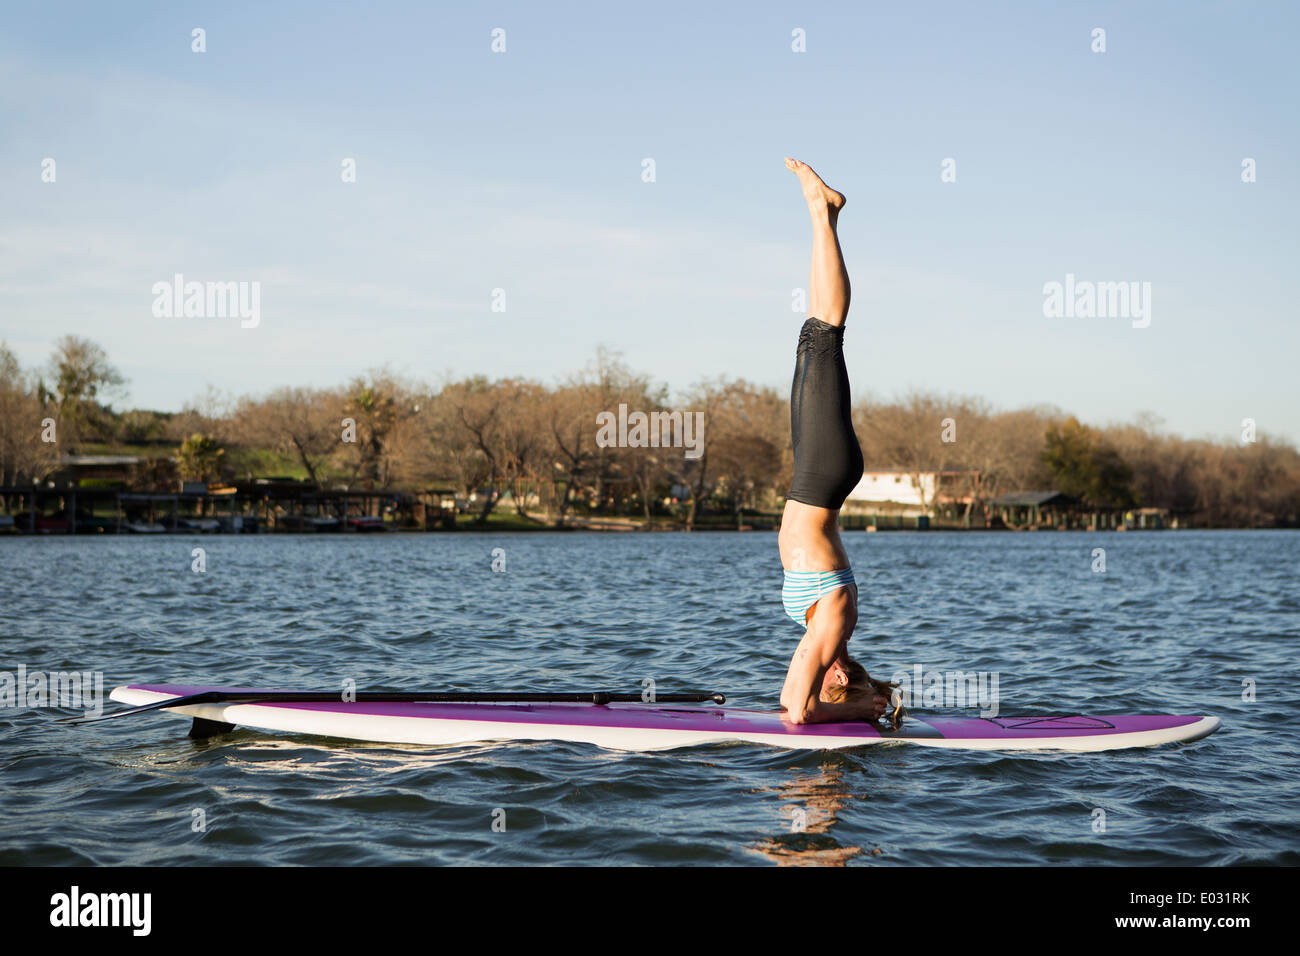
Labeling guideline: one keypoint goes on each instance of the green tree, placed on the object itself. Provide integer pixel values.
(199, 458)
(375, 414)
(81, 372)
(1084, 466)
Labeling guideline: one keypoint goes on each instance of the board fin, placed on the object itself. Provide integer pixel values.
(203, 728)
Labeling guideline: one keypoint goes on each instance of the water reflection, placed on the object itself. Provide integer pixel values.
(810, 807)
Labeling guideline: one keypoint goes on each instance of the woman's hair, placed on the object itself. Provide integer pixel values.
(861, 685)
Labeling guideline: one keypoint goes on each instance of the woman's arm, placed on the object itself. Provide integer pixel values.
(832, 623)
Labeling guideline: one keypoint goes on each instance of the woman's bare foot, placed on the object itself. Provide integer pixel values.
(817, 193)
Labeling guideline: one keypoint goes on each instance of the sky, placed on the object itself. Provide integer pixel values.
(524, 171)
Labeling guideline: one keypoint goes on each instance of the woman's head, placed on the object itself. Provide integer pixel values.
(847, 681)
(843, 678)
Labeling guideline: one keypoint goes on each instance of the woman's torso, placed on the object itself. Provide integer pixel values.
(810, 539)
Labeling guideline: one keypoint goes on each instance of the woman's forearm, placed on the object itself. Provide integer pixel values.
(819, 712)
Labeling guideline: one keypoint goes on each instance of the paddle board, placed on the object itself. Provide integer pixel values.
(637, 726)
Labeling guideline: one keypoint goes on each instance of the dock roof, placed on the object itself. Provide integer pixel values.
(1026, 498)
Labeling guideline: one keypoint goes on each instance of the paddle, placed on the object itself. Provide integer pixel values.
(308, 696)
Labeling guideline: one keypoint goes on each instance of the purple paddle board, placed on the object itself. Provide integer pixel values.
(661, 727)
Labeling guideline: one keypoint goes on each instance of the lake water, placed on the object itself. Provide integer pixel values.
(1179, 622)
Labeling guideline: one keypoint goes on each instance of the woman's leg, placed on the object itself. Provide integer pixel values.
(827, 457)
(828, 283)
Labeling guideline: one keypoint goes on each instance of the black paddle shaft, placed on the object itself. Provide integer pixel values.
(308, 696)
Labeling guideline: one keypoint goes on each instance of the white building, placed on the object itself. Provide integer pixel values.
(892, 491)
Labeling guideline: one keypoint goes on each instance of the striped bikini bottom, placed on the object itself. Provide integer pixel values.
(803, 589)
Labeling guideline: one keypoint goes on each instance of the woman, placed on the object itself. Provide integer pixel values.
(820, 594)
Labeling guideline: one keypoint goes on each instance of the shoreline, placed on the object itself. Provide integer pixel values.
(602, 528)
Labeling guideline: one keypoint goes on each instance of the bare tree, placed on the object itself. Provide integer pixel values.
(525, 440)
(495, 427)
(24, 456)
(748, 435)
(909, 435)
(304, 423)
(709, 398)
(571, 412)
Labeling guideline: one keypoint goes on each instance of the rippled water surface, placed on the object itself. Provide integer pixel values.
(1177, 623)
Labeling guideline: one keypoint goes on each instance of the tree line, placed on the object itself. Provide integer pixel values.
(537, 444)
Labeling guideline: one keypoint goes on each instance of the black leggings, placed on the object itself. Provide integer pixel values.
(827, 457)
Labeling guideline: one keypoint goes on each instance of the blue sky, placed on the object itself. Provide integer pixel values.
(522, 171)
